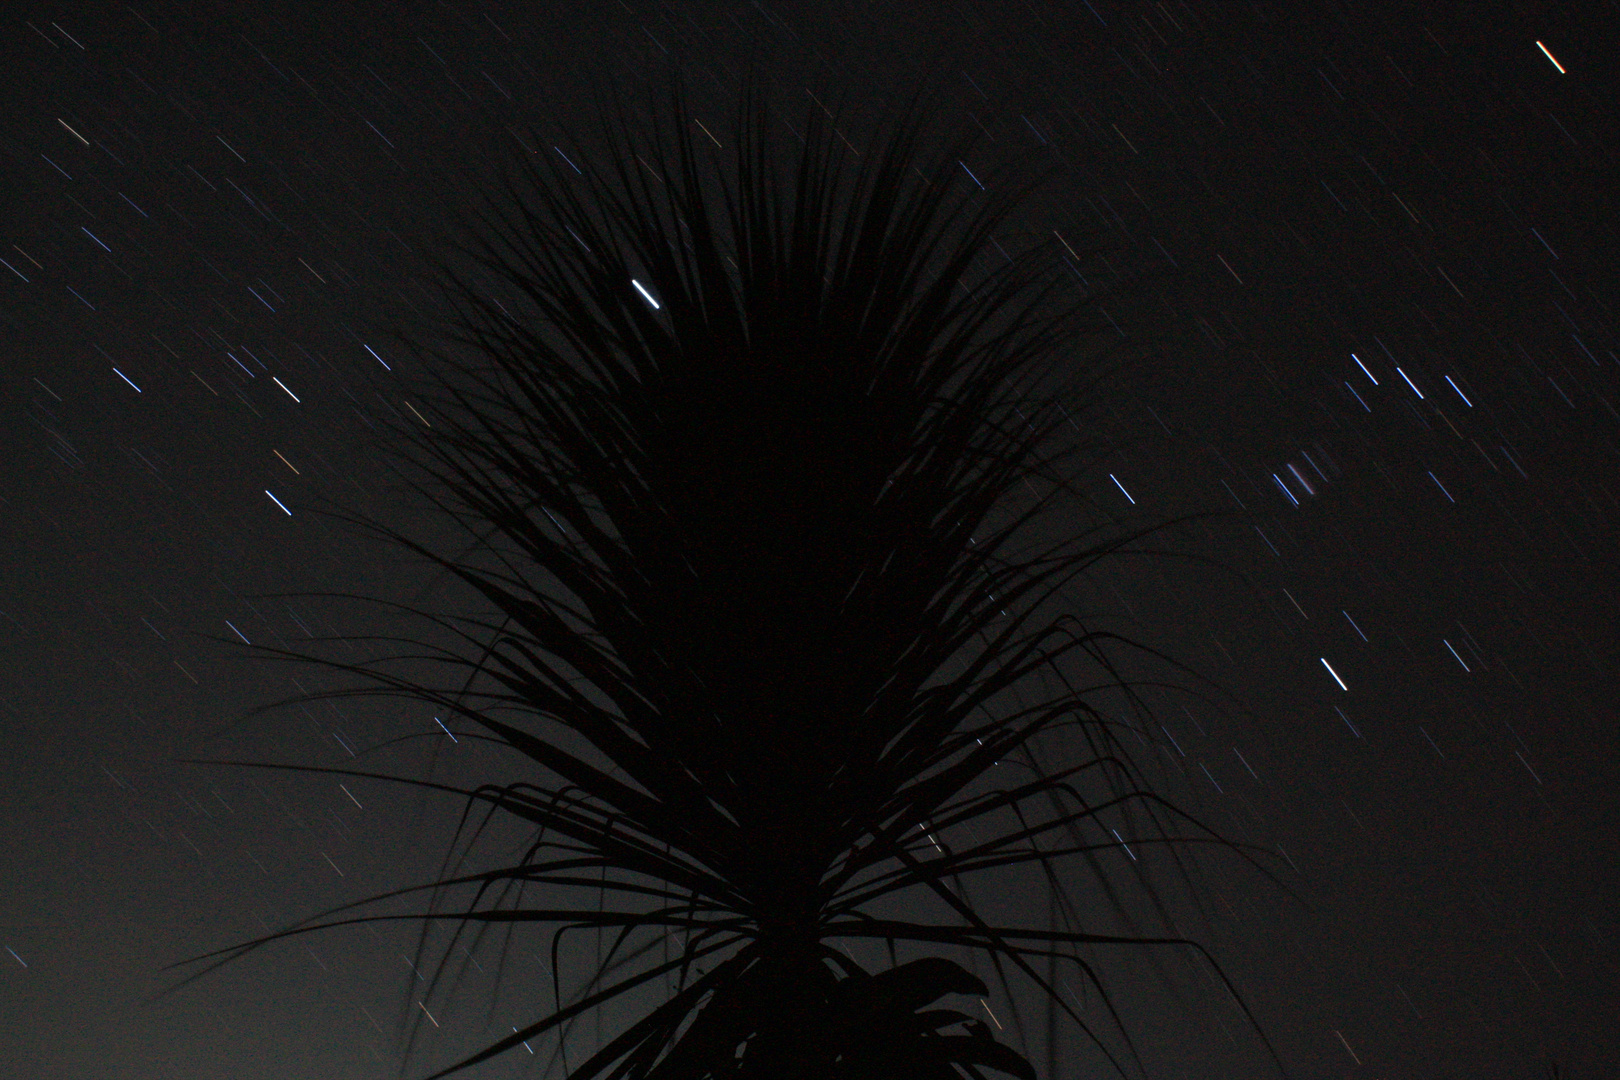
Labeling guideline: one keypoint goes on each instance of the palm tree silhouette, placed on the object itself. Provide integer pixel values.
(755, 494)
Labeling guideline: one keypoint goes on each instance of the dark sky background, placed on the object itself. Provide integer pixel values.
(216, 217)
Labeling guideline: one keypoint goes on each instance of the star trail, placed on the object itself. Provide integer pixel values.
(1353, 269)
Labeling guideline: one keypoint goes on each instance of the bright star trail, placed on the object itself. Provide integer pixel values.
(1356, 286)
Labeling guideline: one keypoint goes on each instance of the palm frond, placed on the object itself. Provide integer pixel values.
(754, 485)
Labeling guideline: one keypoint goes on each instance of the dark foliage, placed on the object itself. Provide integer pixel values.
(760, 498)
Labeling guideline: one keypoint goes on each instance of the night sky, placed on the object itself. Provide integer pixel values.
(1358, 278)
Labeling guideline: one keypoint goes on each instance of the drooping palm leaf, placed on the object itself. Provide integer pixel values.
(756, 485)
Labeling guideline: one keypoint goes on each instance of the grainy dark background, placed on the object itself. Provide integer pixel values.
(199, 199)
